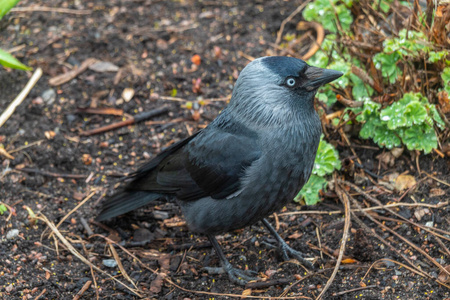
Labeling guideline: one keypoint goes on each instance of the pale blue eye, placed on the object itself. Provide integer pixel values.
(290, 82)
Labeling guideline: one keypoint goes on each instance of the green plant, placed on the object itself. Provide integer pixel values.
(409, 121)
(327, 11)
(404, 59)
(327, 160)
(6, 59)
(3, 208)
(397, 49)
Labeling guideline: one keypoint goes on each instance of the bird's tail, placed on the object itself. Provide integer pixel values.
(124, 202)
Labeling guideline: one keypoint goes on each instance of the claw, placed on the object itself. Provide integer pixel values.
(237, 276)
(285, 249)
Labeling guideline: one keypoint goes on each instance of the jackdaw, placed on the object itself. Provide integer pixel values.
(247, 164)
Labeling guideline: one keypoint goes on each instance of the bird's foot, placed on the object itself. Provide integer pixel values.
(237, 276)
(289, 253)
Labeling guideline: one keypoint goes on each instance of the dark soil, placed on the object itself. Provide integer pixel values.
(152, 42)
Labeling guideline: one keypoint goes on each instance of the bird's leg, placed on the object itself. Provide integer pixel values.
(236, 275)
(285, 249)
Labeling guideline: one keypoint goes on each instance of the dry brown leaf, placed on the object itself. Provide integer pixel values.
(436, 192)
(443, 276)
(404, 182)
(247, 292)
(349, 261)
(156, 285)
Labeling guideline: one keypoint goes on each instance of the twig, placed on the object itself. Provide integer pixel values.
(26, 146)
(83, 289)
(269, 283)
(19, 99)
(334, 212)
(73, 210)
(288, 19)
(348, 102)
(51, 174)
(119, 264)
(52, 9)
(355, 290)
(367, 79)
(63, 78)
(5, 153)
(343, 197)
(86, 226)
(319, 37)
(72, 250)
(41, 294)
(135, 119)
(230, 295)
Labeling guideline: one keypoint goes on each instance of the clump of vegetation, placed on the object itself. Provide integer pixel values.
(327, 160)
(6, 59)
(396, 69)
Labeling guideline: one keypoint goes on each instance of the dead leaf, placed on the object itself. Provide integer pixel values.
(437, 192)
(404, 182)
(247, 292)
(443, 276)
(349, 261)
(295, 235)
(103, 66)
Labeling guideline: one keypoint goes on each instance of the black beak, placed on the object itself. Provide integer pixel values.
(318, 77)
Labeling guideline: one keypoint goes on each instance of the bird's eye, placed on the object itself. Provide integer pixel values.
(290, 82)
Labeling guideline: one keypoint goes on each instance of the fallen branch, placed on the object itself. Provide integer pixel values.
(137, 118)
(19, 99)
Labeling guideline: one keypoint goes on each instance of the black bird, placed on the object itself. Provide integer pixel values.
(248, 163)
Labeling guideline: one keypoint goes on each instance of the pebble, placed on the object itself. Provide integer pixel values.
(12, 234)
(49, 96)
(110, 263)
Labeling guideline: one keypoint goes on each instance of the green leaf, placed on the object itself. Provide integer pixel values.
(400, 115)
(3, 209)
(327, 95)
(327, 159)
(326, 11)
(385, 137)
(6, 5)
(310, 191)
(420, 137)
(10, 61)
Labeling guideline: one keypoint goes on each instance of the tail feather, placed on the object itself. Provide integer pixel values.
(124, 202)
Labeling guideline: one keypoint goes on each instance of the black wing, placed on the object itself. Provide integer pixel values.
(210, 163)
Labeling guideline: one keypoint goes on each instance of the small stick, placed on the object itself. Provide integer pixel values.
(52, 9)
(100, 111)
(288, 19)
(348, 102)
(269, 283)
(344, 198)
(86, 226)
(367, 79)
(319, 39)
(51, 174)
(137, 118)
(83, 289)
(41, 294)
(355, 290)
(65, 77)
(5, 153)
(19, 99)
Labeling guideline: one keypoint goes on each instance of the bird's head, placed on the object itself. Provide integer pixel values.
(274, 90)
